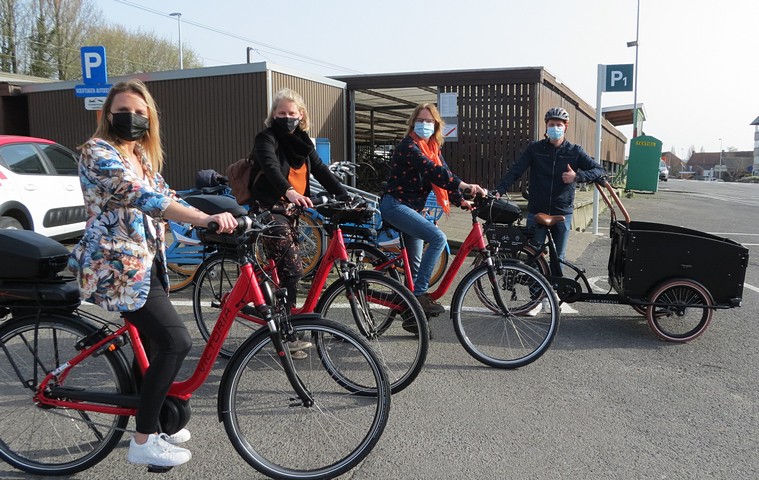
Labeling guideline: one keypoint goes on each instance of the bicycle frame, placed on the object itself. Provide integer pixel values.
(475, 240)
(246, 290)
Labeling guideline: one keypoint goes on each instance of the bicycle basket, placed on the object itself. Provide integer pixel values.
(497, 210)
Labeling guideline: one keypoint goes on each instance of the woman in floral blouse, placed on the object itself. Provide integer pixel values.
(416, 169)
(120, 261)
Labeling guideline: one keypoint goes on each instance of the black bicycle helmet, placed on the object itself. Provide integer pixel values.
(558, 113)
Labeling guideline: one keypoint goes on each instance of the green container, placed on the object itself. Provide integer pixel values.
(643, 164)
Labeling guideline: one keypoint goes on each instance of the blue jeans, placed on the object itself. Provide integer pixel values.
(559, 232)
(416, 230)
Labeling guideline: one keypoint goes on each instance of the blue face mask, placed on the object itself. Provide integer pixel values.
(424, 129)
(555, 133)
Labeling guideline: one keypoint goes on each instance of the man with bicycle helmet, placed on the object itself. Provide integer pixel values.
(556, 165)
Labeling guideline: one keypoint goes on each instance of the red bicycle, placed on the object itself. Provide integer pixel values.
(381, 309)
(491, 303)
(68, 390)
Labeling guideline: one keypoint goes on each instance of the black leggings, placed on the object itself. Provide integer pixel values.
(167, 342)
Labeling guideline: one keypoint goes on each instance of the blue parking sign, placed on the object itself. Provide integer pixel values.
(94, 69)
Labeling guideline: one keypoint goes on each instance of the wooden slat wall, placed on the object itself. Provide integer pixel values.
(495, 125)
(326, 108)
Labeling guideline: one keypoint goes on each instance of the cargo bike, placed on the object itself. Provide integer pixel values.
(677, 291)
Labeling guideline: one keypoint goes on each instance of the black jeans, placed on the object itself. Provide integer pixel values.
(167, 342)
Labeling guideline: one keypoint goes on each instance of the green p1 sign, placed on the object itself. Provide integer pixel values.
(619, 78)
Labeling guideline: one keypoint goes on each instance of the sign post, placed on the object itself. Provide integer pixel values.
(95, 75)
(611, 78)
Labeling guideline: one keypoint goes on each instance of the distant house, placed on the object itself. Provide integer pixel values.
(736, 164)
(674, 163)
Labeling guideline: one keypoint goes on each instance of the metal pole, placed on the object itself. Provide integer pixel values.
(601, 83)
(720, 158)
(179, 26)
(250, 49)
(635, 81)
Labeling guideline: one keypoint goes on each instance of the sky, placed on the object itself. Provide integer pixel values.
(698, 68)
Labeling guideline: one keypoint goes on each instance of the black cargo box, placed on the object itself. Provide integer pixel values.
(26, 254)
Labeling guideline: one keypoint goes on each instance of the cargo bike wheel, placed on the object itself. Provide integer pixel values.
(680, 310)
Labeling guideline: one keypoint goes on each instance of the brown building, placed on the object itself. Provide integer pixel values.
(209, 116)
(674, 163)
(494, 115)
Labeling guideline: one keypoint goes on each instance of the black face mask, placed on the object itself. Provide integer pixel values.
(129, 126)
(287, 123)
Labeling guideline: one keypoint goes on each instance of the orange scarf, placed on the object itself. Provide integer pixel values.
(431, 150)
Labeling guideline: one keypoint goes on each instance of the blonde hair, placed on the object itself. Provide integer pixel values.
(439, 123)
(291, 96)
(151, 141)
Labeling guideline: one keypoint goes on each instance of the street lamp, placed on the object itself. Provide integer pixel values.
(720, 158)
(179, 25)
(635, 79)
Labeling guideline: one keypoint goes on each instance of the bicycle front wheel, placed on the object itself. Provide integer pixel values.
(386, 314)
(214, 280)
(276, 433)
(46, 440)
(490, 318)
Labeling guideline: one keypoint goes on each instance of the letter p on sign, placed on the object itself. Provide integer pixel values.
(619, 78)
(94, 70)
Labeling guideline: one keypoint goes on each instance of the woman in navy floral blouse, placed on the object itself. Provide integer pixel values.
(120, 261)
(416, 169)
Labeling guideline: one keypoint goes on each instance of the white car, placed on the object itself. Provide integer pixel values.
(39, 187)
(663, 171)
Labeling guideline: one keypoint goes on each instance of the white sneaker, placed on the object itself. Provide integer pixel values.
(535, 310)
(546, 306)
(181, 436)
(299, 345)
(157, 452)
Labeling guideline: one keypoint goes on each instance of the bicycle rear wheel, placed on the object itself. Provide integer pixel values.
(388, 316)
(215, 279)
(180, 276)
(279, 436)
(508, 337)
(54, 441)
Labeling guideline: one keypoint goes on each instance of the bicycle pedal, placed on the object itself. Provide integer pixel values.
(158, 469)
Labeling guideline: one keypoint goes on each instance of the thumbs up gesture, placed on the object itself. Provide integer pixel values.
(569, 175)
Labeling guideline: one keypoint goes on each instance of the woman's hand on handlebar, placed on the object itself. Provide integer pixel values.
(225, 221)
(472, 189)
(298, 199)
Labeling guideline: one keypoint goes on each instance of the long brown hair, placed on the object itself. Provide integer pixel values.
(151, 141)
(439, 123)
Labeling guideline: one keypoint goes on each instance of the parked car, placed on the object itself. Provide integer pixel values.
(663, 171)
(39, 187)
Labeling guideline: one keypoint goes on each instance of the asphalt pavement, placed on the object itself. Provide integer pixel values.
(608, 400)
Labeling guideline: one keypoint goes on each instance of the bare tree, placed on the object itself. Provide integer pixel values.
(8, 28)
(71, 22)
(140, 51)
(40, 48)
(43, 38)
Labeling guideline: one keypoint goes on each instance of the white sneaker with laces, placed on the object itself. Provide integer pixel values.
(298, 345)
(535, 310)
(157, 452)
(181, 436)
